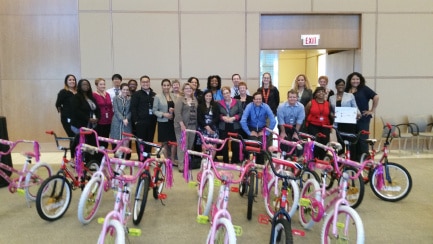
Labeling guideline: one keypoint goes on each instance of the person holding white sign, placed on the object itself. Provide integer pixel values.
(346, 110)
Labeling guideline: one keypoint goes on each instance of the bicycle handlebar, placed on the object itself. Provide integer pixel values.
(12, 144)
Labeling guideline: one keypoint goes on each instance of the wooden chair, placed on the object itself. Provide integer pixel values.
(422, 125)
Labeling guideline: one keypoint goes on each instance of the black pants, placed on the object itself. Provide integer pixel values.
(145, 130)
(314, 130)
(234, 145)
(286, 148)
(104, 131)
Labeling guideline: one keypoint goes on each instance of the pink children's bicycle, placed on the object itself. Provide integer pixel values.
(28, 180)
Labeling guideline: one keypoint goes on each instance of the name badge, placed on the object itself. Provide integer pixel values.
(321, 118)
(150, 111)
(106, 115)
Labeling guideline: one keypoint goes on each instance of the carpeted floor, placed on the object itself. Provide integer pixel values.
(407, 221)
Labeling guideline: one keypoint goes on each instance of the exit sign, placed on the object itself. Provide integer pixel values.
(310, 40)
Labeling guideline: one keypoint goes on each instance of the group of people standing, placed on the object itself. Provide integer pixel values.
(215, 111)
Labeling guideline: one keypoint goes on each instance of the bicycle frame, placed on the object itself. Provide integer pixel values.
(21, 184)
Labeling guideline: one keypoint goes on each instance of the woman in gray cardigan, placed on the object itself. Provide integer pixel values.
(121, 121)
(163, 108)
(185, 117)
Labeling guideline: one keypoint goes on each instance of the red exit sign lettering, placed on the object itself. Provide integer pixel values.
(310, 40)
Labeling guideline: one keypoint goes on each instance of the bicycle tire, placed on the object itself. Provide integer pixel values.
(114, 231)
(243, 187)
(346, 217)
(355, 188)
(205, 195)
(90, 200)
(401, 182)
(53, 198)
(272, 201)
(282, 232)
(251, 185)
(367, 168)
(159, 180)
(224, 232)
(141, 197)
(36, 171)
(311, 190)
(330, 178)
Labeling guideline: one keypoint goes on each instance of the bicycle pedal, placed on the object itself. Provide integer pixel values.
(263, 219)
(234, 189)
(216, 182)
(192, 184)
(202, 219)
(134, 232)
(304, 202)
(101, 220)
(297, 232)
(162, 196)
(238, 230)
(21, 192)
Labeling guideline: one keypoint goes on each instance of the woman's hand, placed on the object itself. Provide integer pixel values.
(125, 122)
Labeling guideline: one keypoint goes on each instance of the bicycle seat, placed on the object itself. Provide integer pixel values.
(371, 141)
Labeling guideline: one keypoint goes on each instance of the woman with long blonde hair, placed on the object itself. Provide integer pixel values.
(303, 88)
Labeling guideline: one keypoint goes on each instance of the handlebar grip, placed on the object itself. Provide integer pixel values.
(127, 134)
(49, 132)
(288, 126)
(232, 134)
(253, 149)
(321, 135)
(252, 143)
(366, 132)
(389, 125)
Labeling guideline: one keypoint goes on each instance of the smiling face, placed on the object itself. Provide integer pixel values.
(226, 94)
(194, 84)
(266, 79)
(340, 87)
(355, 81)
(175, 87)
(236, 79)
(71, 82)
(124, 91)
(187, 90)
(145, 83)
(100, 87)
(85, 86)
(301, 81)
(242, 90)
(208, 97)
(323, 82)
(214, 82)
(292, 98)
(257, 99)
(117, 82)
(166, 87)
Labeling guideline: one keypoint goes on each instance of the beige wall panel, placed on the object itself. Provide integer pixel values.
(398, 35)
(339, 65)
(348, 6)
(29, 116)
(151, 48)
(211, 5)
(391, 92)
(405, 6)
(368, 43)
(38, 7)
(94, 4)
(148, 5)
(212, 44)
(96, 45)
(252, 56)
(38, 46)
(279, 6)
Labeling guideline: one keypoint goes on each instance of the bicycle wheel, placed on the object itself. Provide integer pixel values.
(311, 212)
(113, 233)
(367, 168)
(224, 232)
(36, 176)
(53, 198)
(282, 232)
(273, 200)
(251, 186)
(159, 180)
(243, 186)
(141, 197)
(205, 195)
(349, 225)
(355, 188)
(90, 200)
(390, 182)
